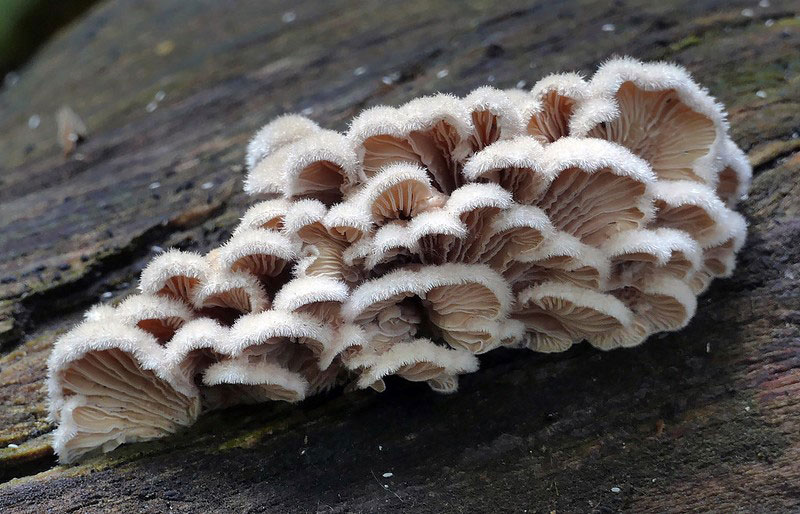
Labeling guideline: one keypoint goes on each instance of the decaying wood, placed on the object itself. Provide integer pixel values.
(705, 419)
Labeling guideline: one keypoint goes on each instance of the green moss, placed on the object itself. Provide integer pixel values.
(685, 43)
(788, 22)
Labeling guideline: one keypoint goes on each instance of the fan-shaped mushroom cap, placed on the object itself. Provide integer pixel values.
(693, 208)
(378, 135)
(320, 297)
(389, 243)
(478, 197)
(302, 218)
(426, 112)
(348, 220)
(636, 254)
(260, 252)
(557, 96)
(439, 130)
(398, 191)
(157, 315)
(720, 260)
(322, 260)
(475, 205)
(236, 381)
(663, 303)
(197, 344)
(321, 165)
(348, 340)
(435, 233)
(429, 235)
(494, 117)
(267, 215)
(599, 189)
(322, 253)
(225, 295)
(174, 273)
(275, 135)
(107, 387)
(428, 131)
(369, 298)
(276, 327)
(662, 115)
(515, 164)
(560, 258)
(266, 179)
(558, 314)
(453, 294)
(517, 230)
(734, 179)
(417, 361)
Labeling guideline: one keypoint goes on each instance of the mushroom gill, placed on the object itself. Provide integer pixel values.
(108, 386)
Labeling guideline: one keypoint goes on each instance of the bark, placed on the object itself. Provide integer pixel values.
(704, 419)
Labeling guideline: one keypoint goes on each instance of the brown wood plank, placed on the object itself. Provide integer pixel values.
(705, 419)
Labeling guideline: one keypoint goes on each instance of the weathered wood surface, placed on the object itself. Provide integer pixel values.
(705, 419)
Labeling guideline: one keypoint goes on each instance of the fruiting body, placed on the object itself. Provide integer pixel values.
(427, 234)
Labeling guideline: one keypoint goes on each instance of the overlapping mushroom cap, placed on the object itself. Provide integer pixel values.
(428, 233)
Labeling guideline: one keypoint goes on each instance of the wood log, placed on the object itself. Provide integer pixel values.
(705, 419)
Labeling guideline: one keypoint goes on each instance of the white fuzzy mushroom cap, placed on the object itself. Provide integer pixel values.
(267, 381)
(277, 134)
(736, 175)
(173, 273)
(108, 385)
(430, 360)
(256, 329)
(267, 215)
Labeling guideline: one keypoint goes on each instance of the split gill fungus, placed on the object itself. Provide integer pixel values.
(427, 234)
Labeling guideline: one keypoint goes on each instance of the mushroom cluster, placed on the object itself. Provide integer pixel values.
(427, 234)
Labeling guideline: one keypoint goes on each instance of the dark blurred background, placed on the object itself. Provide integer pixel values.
(26, 24)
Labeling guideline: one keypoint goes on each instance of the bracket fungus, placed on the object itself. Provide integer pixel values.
(427, 234)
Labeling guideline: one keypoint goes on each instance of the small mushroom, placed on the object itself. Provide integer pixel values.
(320, 165)
(225, 295)
(174, 274)
(494, 116)
(561, 258)
(418, 360)
(658, 112)
(237, 381)
(275, 135)
(268, 215)
(262, 253)
(557, 96)
(108, 386)
(692, 208)
(599, 189)
(159, 316)
(734, 179)
(515, 164)
(195, 346)
(557, 315)
(318, 296)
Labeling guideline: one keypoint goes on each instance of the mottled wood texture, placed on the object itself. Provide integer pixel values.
(705, 419)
